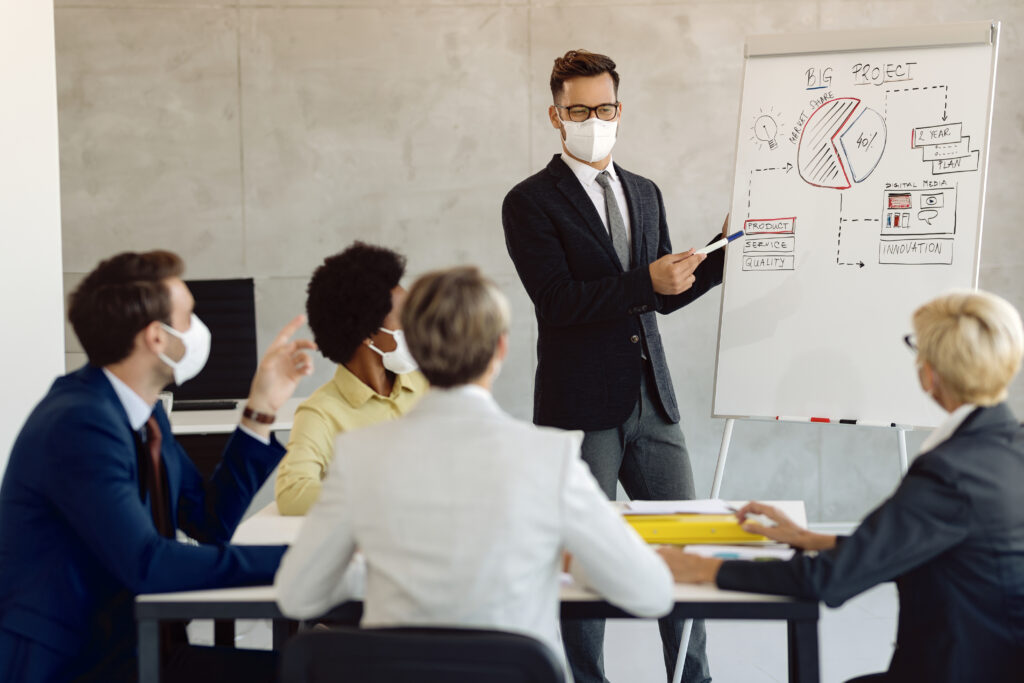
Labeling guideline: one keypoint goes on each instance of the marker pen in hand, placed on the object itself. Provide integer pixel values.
(719, 244)
(755, 517)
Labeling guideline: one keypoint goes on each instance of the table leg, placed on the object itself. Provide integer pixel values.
(684, 644)
(149, 650)
(224, 632)
(803, 651)
(283, 629)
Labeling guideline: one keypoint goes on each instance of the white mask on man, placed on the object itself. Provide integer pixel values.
(590, 140)
(196, 340)
(399, 360)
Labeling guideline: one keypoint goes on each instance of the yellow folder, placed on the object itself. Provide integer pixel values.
(686, 529)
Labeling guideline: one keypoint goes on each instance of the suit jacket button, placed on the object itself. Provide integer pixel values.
(635, 338)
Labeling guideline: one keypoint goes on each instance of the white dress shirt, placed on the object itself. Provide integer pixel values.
(948, 426)
(134, 405)
(462, 514)
(139, 411)
(587, 175)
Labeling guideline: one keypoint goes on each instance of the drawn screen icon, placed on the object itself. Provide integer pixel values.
(899, 201)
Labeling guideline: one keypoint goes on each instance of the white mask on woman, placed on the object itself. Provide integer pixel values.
(399, 360)
(590, 140)
(196, 340)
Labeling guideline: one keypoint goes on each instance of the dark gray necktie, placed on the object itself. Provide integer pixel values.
(615, 225)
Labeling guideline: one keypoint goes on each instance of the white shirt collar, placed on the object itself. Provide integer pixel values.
(136, 407)
(585, 173)
(462, 396)
(474, 390)
(946, 429)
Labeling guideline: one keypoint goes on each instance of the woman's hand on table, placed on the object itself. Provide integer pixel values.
(784, 530)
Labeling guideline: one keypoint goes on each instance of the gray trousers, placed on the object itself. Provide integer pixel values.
(648, 455)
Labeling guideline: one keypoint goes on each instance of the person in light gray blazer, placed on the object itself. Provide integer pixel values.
(462, 514)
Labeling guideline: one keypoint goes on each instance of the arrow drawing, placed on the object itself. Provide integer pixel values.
(945, 99)
(750, 181)
(839, 238)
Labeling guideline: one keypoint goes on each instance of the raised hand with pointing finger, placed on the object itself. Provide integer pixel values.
(284, 364)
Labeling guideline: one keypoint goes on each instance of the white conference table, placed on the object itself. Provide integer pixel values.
(269, 527)
(258, 602)
(225, 421)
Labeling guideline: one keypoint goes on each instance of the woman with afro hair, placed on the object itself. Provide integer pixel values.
(354, 304)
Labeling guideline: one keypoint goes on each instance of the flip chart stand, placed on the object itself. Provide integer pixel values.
(684, 644)
(723, 453)
(716, 488)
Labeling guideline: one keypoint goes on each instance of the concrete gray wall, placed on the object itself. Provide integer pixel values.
(256, 137)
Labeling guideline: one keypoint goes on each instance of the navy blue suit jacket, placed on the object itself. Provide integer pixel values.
(592, 313)
(78, 541)
(952, 537)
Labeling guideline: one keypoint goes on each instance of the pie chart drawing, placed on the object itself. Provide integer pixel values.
(860, 133)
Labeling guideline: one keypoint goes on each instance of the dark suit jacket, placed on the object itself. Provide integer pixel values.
(952, 537)
(591, 315)
(78, 542)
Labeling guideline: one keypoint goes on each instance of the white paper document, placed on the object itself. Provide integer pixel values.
(741, 552)
(711, 506)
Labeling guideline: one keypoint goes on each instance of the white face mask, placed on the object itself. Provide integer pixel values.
(196, 340)
(398, 361)
(590, 140)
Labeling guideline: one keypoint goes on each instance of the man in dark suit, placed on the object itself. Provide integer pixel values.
(96, 488)
(591, 245)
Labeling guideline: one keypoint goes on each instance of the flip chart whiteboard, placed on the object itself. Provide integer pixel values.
(860, 186)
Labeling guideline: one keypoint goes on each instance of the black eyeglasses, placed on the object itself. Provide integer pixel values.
(911, 341)
(581, 112)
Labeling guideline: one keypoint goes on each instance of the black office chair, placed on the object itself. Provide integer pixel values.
(417, 655)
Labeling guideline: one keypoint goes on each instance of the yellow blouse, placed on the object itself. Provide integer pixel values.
(341, 405)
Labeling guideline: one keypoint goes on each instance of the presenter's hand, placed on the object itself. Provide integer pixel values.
(687, 568)
(785, 529)
(282, 367)
(673, 273)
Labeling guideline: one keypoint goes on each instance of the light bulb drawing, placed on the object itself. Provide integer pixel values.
(765, 129)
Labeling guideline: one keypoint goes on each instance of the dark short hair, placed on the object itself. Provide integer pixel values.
(576, 63)
(349, 296)
(453, 320)
(118, 299)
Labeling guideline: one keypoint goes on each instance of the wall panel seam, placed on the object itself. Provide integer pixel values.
(241, 142)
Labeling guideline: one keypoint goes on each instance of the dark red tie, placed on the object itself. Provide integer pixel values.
(172, 633)
(157, 490)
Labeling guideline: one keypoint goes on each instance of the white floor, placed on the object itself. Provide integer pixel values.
(854, 639)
